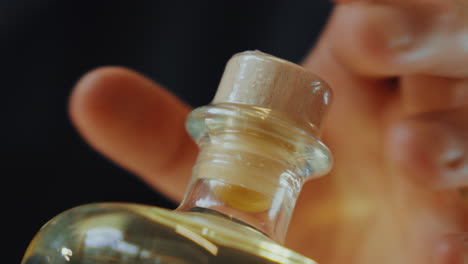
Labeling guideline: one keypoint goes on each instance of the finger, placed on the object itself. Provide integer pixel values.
(391, 40)
(425, 93)
(137, 124)
(431, 148)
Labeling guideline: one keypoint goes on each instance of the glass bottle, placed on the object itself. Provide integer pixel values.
(258, 145)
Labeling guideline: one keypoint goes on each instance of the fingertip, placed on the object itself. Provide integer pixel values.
(137, 124)
(378, 37)
(86, 102)
(103, 90)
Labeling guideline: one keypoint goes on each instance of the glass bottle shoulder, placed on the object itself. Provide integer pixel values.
(117, 233)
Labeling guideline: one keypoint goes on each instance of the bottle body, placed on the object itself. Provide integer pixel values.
(117, 233)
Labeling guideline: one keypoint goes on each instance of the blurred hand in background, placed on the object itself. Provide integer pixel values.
(398, 129)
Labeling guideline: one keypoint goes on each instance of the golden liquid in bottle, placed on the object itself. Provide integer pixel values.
(243, 199)
(136, 234)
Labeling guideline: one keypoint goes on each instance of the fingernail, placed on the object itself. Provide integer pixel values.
(448, 155)
(394, 29)
(452, 160)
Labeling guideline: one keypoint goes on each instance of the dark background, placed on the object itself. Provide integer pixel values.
(45, 46)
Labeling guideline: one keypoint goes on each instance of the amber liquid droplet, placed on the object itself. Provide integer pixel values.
(241, 198)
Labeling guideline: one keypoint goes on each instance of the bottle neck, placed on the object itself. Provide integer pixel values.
(251, 166)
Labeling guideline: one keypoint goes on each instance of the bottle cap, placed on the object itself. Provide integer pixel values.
(290, 91)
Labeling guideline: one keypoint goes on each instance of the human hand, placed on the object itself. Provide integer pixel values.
(392, 195)
(398, 131)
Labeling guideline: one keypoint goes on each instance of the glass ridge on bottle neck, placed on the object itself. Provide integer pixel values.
(251, 165)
